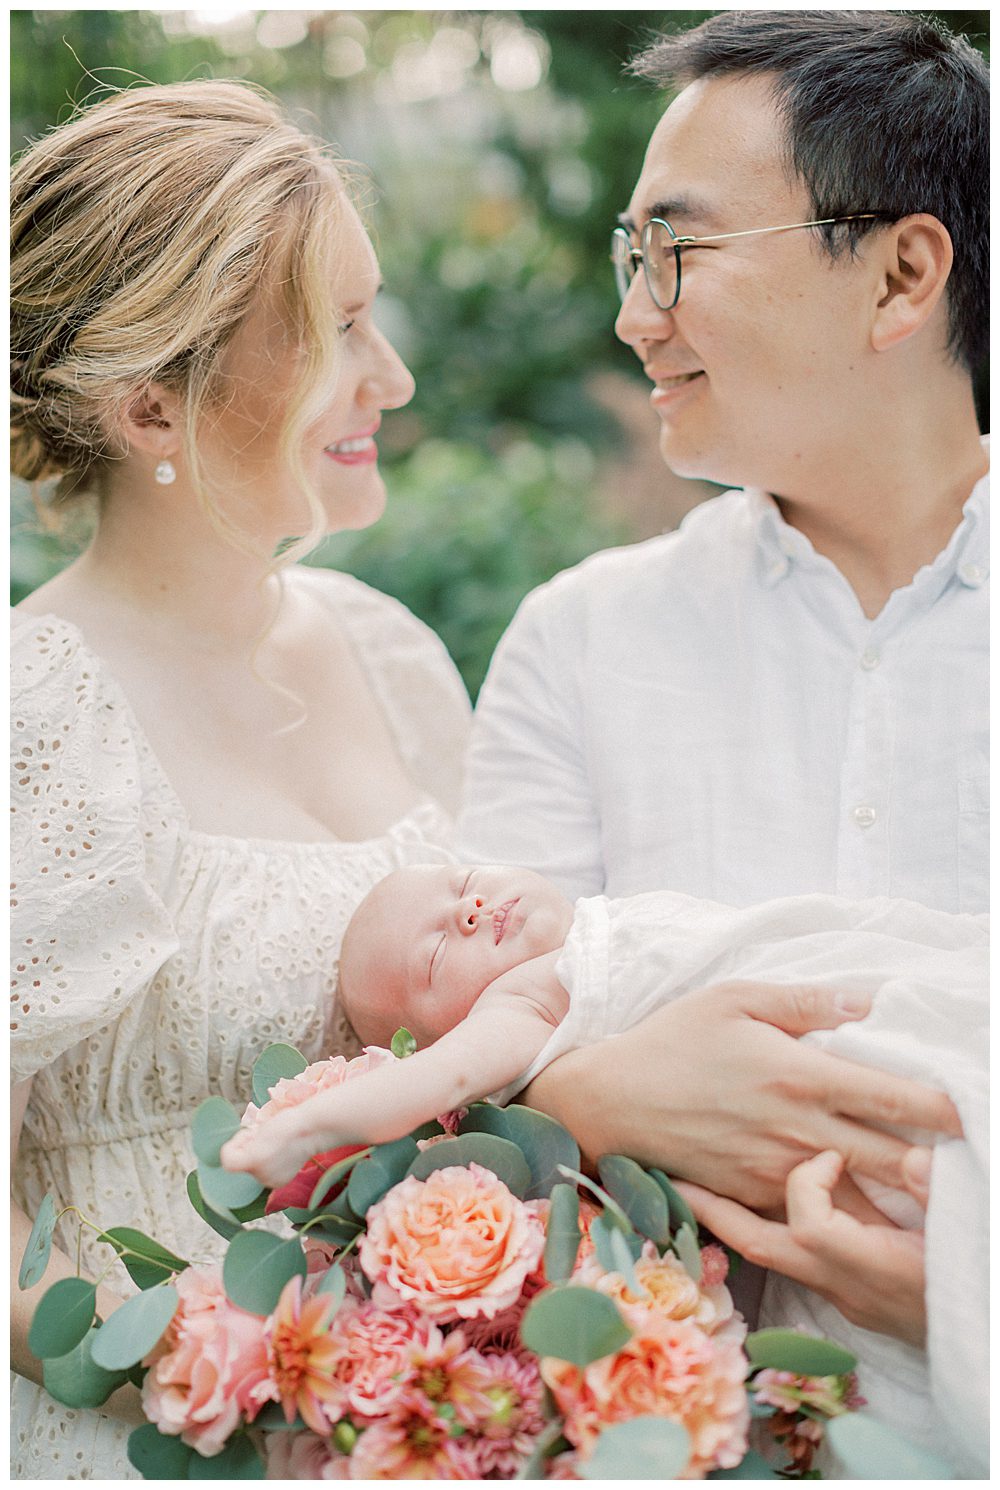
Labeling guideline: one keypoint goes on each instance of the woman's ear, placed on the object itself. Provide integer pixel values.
(916, 258)
(151, 422)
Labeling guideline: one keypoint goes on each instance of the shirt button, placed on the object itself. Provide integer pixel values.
(864, 816)
(971, 574)
(870, 659)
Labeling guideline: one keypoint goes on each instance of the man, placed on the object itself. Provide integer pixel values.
(789, 694)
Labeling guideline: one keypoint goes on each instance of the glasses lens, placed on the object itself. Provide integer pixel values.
(661, 263)
(622, 261)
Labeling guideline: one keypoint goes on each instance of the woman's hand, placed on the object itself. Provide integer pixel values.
(871, 1270)
(716, 1088)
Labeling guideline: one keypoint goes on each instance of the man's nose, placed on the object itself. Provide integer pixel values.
(640, 319)
(468, 912)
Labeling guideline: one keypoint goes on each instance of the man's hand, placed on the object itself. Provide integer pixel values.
(716, 1087)
(871, 1270)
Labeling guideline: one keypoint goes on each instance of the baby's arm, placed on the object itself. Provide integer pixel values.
(497, 1040)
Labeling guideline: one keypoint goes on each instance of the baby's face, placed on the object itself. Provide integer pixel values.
(433, 937)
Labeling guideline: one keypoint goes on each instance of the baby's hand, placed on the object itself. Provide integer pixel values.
(273, 1151)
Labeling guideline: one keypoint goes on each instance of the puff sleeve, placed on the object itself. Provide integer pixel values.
(90, 848)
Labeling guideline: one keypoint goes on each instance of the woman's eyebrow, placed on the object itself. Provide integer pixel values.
(359, 305)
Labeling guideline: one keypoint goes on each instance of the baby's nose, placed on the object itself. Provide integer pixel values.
(470, 908)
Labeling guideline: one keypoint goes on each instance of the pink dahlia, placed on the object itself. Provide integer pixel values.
(444, 1378)
(371, 1358)
(411, 1446)
(505, 1434)
(831, 1395)
(300, 1350)
(455, 1245)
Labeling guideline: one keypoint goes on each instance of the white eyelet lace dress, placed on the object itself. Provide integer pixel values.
(153, 963)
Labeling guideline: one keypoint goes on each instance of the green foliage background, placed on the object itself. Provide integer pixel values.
(501, 147)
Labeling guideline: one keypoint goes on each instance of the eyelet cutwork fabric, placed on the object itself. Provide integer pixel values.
(152, 963)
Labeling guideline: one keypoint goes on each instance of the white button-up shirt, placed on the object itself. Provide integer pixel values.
(712, 712)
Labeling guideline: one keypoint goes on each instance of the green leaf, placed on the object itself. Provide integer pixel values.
(574, 1324)
(544, 1143)
(330, 1176)
(146, 1261)
(646, 1448)
(62, 1317)
(639, 1196)
(385, 1166)
(213, 1124)
(687, 1249)
(224, 1192)
(76, 1380)
(334, 1282)
(257, 1266)
(533, 1467)
(131, 1331)
(751, 1467)
(272, 1419)
(36, 1253)
(617, 1249)
(870, 1450)
(680, 1212)
(226, 1228)
(499, 1155)
(611, 1207)
(239, 1460)
(562, 1235)
(156, 1455)
(254, 1210)
(334, 1230)
(275, 1062)
(403, 1044)
(806, 1355)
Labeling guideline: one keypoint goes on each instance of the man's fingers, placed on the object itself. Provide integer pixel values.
(797, 1008)
(875, 1097)
(765, 1243)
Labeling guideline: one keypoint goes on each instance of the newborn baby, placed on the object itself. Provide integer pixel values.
(496, 974)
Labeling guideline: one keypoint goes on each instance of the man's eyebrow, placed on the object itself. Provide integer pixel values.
(679, 208)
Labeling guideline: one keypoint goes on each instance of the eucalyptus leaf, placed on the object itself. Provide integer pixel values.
(610, 1205)
(334, 1282)
(533, 1467)
(39, 1245)
(335, 1231)
(574, 1324)
(870, 1450)
(806, 1355)
(680, 1212)
(331, 1176)
(562, 1235)
(156, 1455)
(276, 1062)
(402, 1044)
(544, 1143)
(254, 1210)
(751, 1467)
(224, 1192)
(239, 1460)
(499, 1155)
(133, 1329)
(76, 1380)
(213, 1124)
(617, 1249)
(62, 1317)
(271, 1419)
(146, 1261)
(646, 1448)
(226, 1227)
(257, 1266)
(687, 1249)
(385, 1166)
(639, 1196)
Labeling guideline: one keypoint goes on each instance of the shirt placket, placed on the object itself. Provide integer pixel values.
(864, 821)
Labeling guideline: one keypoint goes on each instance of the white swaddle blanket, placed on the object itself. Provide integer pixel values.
(625, 958)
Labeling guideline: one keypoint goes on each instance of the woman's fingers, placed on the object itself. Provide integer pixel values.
(766, 1243)
(873, 1096)
(917, 1174)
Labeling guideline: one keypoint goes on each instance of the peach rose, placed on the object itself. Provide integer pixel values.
(204, 1369)
(455, 1245)
(670, 1368)
(668, 1288)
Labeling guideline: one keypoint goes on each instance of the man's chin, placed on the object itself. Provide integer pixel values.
(696, 461)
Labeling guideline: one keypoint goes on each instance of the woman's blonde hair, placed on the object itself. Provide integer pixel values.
(142, 231)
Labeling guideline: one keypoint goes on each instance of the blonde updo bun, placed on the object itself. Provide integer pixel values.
(141, 233)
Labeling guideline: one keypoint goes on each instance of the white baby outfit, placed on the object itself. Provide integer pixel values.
(152, 963)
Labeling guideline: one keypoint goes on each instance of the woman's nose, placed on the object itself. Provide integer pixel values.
(469, 910)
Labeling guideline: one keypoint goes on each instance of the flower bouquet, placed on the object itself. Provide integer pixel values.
(462, 1303)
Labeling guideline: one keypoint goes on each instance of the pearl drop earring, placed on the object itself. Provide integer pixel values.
(165, 473)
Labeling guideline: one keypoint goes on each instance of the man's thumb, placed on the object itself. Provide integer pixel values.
(797, 1008)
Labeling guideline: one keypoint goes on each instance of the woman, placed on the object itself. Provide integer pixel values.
(216, 754)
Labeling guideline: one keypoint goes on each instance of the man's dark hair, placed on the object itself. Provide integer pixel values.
(883, 112)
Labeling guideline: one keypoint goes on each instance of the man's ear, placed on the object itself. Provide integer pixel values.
(916, 257)
(151, 421)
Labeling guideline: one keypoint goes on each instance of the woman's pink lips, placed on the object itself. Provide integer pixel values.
(364, 457)
(500, 918)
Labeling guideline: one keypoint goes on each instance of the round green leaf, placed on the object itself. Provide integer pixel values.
(869, 1450)
(646, 1448)
(334, 1282)
(499, 1155)
(680, 1212)
(226, 1228)
(574, 1324)
(562, 1233)
(275, 1062)
(402, 1044)
(686, 1246)
(76, 1380)
(224, 1192)
(372, 1177)
(131, 1331)
(334, 1229)
(39, 1245)
(257, 1266)
(63, 1316)
(544, 1143)
(616, 1249)
(752, 1466)
(806, 1355)
(239, 1460)
(639, 1196)
(146, 1261)
(157, 1456)
(213, 1124)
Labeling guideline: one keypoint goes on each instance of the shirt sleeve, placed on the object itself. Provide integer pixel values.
(89, 928)
(528, 799)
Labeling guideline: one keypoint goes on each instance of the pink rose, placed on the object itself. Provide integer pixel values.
(371, 1363)
(204, 1369)
(455, 1245)
(304, 1456)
